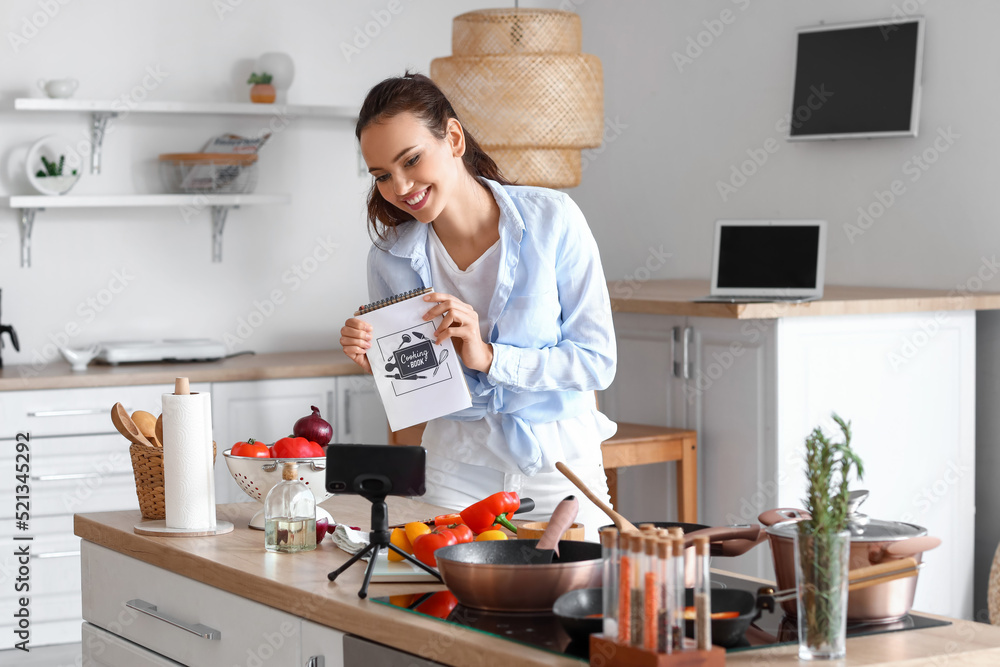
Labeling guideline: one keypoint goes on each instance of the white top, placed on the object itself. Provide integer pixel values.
(482, 442)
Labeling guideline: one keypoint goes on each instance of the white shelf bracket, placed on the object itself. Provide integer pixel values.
(98, 124)
(27, 224)
(219, 214)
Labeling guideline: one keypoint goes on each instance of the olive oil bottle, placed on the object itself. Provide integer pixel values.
(289, 514)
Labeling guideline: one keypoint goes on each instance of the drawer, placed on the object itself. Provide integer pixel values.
(58, 459)
(103, 649)
(114, 491)
(47, 412)
(247, 631)
(43, 633)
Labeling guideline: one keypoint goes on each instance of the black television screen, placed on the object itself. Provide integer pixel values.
(857, 80)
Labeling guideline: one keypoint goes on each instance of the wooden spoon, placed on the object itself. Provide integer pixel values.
(127, 427)
(621, 523)
(158, 429)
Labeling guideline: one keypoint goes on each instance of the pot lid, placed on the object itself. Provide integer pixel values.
(862, 527)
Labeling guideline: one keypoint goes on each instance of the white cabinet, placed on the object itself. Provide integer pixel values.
(756, 388)
(78, 463)
(321, 646)
(267, 409)
(181, 619)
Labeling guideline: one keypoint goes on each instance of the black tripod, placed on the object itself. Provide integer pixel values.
(378, 539)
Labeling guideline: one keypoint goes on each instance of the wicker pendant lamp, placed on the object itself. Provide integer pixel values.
(521, 86)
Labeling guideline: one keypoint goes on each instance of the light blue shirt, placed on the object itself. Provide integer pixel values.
(549, 320)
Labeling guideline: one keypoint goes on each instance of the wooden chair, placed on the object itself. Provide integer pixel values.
(632, 445)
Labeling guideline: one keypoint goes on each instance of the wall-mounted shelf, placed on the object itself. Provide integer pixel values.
(103, 110)
(219, 206)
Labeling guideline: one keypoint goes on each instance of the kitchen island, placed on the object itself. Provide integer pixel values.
(753, 379)
(280, 604)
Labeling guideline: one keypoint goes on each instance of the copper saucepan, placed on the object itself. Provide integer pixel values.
(872, 542)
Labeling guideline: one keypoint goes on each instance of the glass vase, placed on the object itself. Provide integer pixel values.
(821, 572)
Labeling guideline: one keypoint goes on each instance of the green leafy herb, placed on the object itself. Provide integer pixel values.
(263, 77)
(52, 168)
(823, 550)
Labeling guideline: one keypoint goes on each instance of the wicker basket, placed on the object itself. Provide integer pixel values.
(147, 465)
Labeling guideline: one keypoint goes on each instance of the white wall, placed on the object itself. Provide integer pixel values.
(204, 53)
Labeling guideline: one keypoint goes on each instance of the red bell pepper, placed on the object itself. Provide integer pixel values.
(481, 516)
(295, 448)
(447, 519)
(425, 545)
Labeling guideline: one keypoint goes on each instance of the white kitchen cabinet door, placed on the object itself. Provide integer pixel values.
(907, 383)
(100, 648)
(360, 418)
(265, 410)
(646, 390)
(730, 400)
(321, 646)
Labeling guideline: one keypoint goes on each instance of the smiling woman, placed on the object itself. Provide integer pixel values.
(520, 288)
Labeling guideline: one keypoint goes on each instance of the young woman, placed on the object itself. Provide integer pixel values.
(519, 284)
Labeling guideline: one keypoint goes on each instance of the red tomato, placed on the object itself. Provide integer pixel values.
(425, 545)
(251, 448)
(462, 533)
(296, 448)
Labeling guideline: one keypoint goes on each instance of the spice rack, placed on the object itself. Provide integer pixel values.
(608, 653)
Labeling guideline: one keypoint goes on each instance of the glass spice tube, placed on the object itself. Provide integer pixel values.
(677, 594)
(651, 596)
(638, 554)
(702, 596)
(664, 566)
(625, 587)
(610, 564)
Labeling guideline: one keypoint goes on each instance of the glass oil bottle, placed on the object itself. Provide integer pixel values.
(289, 514)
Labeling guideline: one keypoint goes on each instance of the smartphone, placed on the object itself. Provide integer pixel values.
(375, 470)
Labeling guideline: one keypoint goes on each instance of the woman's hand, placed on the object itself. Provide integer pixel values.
(461, 324)
(356, 338)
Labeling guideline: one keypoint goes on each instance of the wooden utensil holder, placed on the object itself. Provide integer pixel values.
(607, 653)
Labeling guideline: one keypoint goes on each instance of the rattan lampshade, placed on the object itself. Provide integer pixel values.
(521, 86)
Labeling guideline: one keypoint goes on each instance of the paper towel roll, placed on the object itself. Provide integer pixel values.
(188, 476)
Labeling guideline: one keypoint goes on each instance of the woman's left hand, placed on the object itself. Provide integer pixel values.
(460, 323)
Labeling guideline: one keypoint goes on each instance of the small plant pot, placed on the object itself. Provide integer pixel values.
(55, 185)
(262, 93)
(51, 147)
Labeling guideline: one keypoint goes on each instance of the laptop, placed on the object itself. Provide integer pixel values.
(758, 261)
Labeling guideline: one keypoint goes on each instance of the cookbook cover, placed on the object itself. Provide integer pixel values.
(416, 379)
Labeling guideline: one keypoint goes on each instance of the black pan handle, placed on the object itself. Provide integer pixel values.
(527, 504)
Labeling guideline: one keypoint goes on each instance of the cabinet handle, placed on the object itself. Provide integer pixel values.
(57, 554)
(194, 628)
(79, 475)
(687, 364)
(72, 413)
(675, 340)
(316, 661)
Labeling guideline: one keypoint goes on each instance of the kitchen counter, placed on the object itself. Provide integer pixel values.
(237, 563)
(674, 297)
(58, 375)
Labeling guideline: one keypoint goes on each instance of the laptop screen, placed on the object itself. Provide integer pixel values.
(768, 256)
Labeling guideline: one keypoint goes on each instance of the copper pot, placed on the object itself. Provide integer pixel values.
(872, 542)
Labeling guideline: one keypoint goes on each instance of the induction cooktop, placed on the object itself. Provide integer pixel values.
(543, 631)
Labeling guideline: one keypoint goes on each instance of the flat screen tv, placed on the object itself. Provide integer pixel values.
(857, 80)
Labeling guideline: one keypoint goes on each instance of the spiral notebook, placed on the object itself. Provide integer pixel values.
(416, 379)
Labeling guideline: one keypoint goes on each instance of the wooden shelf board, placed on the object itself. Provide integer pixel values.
(229, 108)
(101, 201)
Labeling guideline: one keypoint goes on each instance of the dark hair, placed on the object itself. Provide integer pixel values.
(416, 94)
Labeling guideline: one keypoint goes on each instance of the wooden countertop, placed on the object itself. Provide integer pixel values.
(236, 563)
(58, 375)
(675, 297)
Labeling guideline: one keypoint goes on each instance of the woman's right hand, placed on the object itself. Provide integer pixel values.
(356, 338)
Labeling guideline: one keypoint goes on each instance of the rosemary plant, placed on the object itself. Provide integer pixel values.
(829, 466)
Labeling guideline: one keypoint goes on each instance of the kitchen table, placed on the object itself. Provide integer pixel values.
(295, 588)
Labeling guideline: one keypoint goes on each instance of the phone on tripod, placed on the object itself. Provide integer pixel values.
(375, 471)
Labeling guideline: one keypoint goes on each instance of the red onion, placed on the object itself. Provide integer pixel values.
(314, 428)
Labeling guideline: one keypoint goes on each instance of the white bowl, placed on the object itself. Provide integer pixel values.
(257, 476)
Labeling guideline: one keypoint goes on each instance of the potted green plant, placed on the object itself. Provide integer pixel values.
(261, 91)
(50, 176)
(823, 544)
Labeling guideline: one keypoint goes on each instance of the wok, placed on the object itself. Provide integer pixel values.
(581, 612)
(499, 575)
